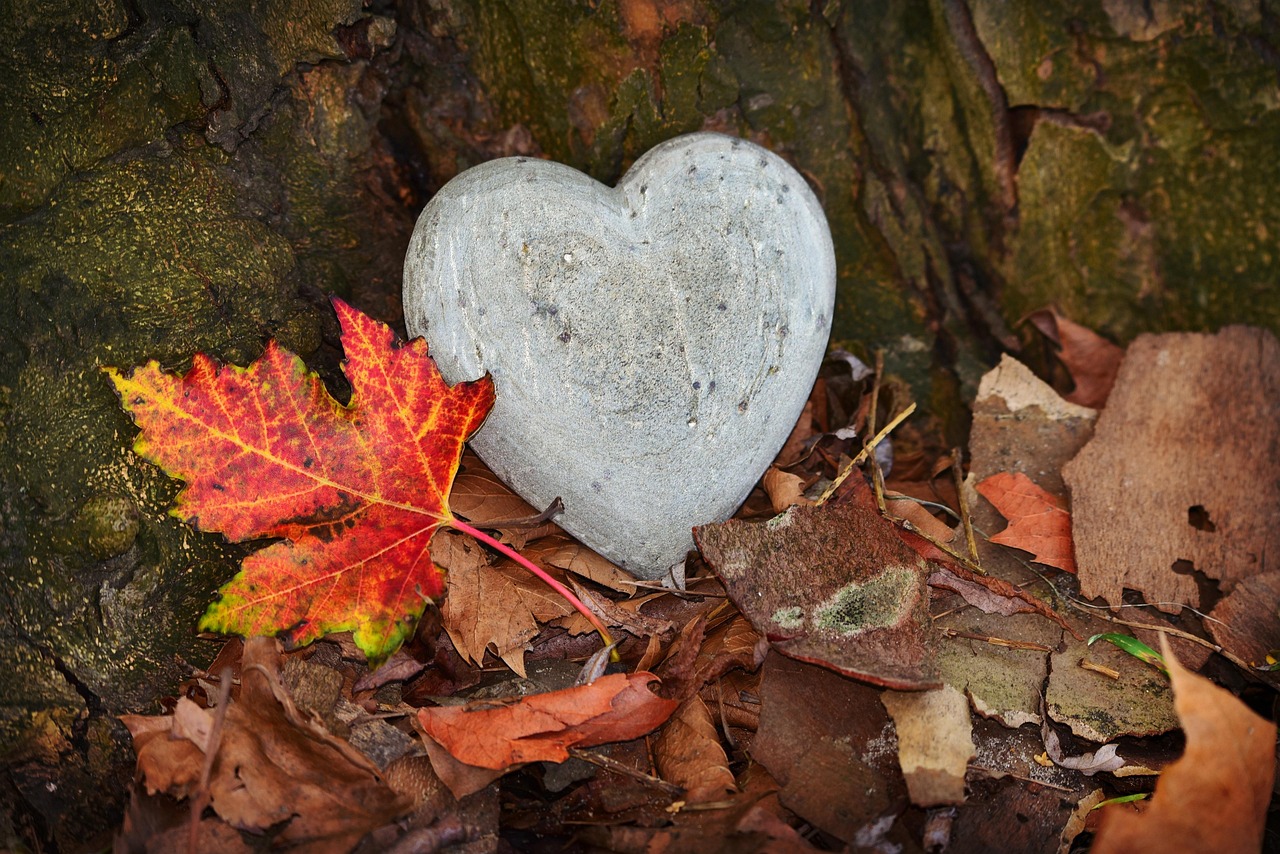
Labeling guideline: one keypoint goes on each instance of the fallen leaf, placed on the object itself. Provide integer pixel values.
(833, 585)
(542, 727)
(491, 606)
(1103, 759)
(354, 492)
(828, 741)
(935, 742)
(1092, 360)
(1183, 471)
(1038, 522)
(783, 488)
(688, 753)
(1244, 622)
(992, 595)
(274, 768)
(1213, 798)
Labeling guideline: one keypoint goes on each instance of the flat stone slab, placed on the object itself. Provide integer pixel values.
(652, 344)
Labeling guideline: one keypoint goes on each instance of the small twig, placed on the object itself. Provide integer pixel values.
(957, 474)
(554, 509)
(877, 476)
(1009, 644)
(941, 546)
(1099, 668)
(991, 772)
(617, 767)
(862, 455)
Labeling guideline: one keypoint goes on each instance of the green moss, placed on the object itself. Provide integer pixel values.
(80, 85)
(881, 602)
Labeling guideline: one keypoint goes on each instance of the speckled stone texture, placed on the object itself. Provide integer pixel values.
(652, 344)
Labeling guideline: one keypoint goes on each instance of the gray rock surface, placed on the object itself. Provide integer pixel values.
(652, 345)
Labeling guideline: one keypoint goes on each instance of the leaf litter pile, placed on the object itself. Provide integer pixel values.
(1061, 641)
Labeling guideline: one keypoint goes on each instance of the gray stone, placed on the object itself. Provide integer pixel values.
(652, 345)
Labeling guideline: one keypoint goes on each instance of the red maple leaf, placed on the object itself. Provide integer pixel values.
(1038, 523)
(354, 492)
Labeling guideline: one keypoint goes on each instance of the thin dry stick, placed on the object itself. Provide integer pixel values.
(617, 767)
(877, 476)
(862, 455)
(1004, 642)
(941, 546)
(957, 473)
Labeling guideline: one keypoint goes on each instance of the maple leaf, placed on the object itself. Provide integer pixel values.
(353, 492)
(1038, 523)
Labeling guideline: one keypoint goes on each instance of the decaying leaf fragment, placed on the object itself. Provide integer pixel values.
(1183, 470)
(1213, 798)
(833, 585)
(1092, 360)
(273, 766)
(935, 742)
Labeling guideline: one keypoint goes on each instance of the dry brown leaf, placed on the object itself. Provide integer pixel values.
(1092, 360)
(784, 489)
(1038, 522)
(1183, 470)
(935, 742)
(688, 753)
(479, 497)
(273, 766)
(491, 606)
(793, 449)
(1213, 798)
(1245, 623)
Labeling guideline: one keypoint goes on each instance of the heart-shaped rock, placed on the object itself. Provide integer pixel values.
(652, 345)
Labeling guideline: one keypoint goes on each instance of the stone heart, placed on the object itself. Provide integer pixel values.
(652, 345)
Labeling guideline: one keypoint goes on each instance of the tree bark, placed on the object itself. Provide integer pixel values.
(192, 176)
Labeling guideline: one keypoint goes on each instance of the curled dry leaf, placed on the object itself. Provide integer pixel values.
(1213, 798)
(1092, 360)
(542, 727)
(784, 489)
(688, 753)
(273, 768)
(1038, 522)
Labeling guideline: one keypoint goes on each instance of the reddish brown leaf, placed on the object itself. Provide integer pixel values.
(355, 492)
(993, 595)
(1038, 523)
(834, 585)
(1215, 797)
(542, 727)
(688, 753)
(784, 489)
(488, 606)
(274, 766)
(1092, 360)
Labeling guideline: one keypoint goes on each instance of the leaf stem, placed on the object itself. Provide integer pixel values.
(568, 594)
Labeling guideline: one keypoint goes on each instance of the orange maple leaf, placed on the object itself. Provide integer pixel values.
(354, 492)
(542, 727)
(1038, 523)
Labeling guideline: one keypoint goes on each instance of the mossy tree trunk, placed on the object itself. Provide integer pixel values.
(195, 176)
